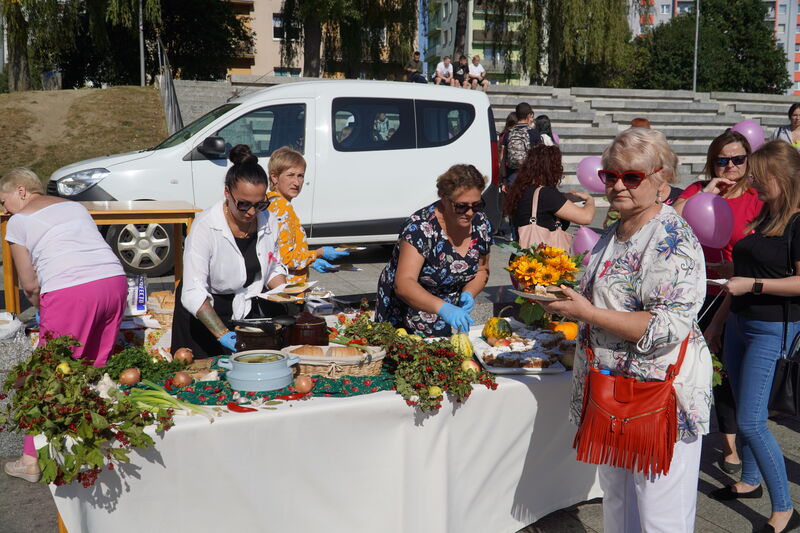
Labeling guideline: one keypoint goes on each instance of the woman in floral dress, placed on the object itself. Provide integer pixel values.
(638, 301)
(440, 261)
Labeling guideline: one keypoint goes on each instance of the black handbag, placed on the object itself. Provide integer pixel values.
(784, 396)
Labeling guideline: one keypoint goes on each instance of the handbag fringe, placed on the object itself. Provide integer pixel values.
(628, 443)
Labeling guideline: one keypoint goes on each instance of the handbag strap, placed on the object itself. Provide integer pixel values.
(535, 204)
(789, 272)
(672, 370)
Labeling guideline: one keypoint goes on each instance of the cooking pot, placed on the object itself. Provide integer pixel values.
(309, 329)
(259, 334)
(258, 370)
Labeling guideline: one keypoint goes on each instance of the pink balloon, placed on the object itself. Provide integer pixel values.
(752, 132)
(584, 241)
(587, 173)
(556, 139)
(711, 218)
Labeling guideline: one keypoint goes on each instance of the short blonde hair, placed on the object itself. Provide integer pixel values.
(642, 149)
(21, 176)
(283, 159)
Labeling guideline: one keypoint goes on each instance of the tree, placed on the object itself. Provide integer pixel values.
(561, 42)
(17, 39)
(459, 41)
(350, 36)
(737, 51)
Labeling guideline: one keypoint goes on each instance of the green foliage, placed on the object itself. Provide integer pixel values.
(54, 395)
(137, 357)
(737, 51)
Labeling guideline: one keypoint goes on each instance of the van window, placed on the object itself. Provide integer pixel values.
(187, 132)
(440, 123)
(267, 129)
(367, 124)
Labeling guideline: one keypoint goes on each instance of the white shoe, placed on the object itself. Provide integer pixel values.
(28, 472)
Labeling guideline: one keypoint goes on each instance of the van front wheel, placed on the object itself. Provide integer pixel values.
(144, 249)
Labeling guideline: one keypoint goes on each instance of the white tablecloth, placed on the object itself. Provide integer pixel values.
(365, 464)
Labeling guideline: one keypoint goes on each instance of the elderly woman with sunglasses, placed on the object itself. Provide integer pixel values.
(638, 303)
(726, 169)
(440, 261)
(287, 169)
(230, 256)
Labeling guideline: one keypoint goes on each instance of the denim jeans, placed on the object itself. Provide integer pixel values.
(752, 348)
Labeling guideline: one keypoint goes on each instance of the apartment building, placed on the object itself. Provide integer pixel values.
(266, 22)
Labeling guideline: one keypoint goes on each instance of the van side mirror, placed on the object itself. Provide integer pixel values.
(212, 146)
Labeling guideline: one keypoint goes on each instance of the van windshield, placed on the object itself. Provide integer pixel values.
(187, 132)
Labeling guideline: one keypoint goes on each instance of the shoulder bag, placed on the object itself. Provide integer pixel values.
(784, 396)
(628, 423)
(533, 233)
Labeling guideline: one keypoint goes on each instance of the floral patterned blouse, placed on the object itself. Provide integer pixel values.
(661, 269)
(292, 240)
(444, 273)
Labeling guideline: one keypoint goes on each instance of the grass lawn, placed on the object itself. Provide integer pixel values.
(45, 130)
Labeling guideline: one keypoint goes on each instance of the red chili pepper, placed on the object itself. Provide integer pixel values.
(236, 408)
(289, 397)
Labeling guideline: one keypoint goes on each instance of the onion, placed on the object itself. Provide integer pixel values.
(303, 384)
(184, 355)
(129, 376)
(181, 379)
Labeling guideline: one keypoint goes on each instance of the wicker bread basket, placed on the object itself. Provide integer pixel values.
(368, 364)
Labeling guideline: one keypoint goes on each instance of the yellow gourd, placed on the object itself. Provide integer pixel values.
(462, 345)
(499, 328)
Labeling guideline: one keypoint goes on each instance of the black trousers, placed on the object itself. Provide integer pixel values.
(724, 403)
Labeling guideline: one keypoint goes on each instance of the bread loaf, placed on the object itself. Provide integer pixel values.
(344, 351)
(308, 349)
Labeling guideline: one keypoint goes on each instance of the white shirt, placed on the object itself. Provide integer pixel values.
(444, 72)
(212, 263)
(65, 246)
(476, 70)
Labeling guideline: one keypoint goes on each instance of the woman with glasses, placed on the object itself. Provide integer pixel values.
(637, 304)
(230, 256)
(790, 133)
(726, 170)
(763, 316)
(542, 170)
(440, 261)
(287, 170)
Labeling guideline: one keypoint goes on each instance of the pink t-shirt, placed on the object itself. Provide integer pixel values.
(745, 208)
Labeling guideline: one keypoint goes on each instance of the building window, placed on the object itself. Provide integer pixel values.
(665, 9)
(797, 47)
(278, 28)
(797, 85)
(782, 9)
(781, 29)
(287, 71)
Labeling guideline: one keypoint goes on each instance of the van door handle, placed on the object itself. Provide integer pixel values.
(308, 183)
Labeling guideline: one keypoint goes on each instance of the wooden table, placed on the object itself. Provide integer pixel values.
(109, 214)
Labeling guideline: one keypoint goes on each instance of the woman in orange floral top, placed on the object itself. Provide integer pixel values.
(286, 174)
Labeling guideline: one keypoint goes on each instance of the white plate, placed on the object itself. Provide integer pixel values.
(537, 297)
(282, 288)
(717, 282)
(350, 248)
(555, 368)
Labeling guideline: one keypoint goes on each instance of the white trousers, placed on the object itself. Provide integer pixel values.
(635, 504)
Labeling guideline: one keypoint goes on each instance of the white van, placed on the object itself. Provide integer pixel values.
(364, 175)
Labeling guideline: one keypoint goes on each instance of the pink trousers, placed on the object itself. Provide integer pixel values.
(90, 312)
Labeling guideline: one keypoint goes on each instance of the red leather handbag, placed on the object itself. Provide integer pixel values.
(627, 423)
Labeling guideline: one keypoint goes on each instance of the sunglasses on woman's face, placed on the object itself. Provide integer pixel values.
(631, 179)
(462, 208)
(737, 160)
(245, 206)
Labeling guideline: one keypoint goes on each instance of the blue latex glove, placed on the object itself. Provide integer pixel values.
(229, 341)
(37, 318)
(466, 301)
(456, 317)
(320, 265)
(330, 253)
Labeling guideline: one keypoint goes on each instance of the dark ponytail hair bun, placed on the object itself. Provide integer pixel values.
(241, 155)
(245, 168)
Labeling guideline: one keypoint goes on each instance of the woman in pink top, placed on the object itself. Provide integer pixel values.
(65, 269)
(726, 172)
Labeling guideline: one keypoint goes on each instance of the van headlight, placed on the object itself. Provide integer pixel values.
(77, 182)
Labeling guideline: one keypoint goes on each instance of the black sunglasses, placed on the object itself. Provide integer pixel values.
(245, 206)
(737, 160)
(462, 208)
(631, 179)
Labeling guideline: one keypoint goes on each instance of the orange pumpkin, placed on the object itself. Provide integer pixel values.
(568, 329)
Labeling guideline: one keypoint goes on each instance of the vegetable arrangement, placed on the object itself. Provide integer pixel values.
(150, 367)
(88, 425)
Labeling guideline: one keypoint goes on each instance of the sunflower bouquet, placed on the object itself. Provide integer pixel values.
(536, 268)
(542, 266)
